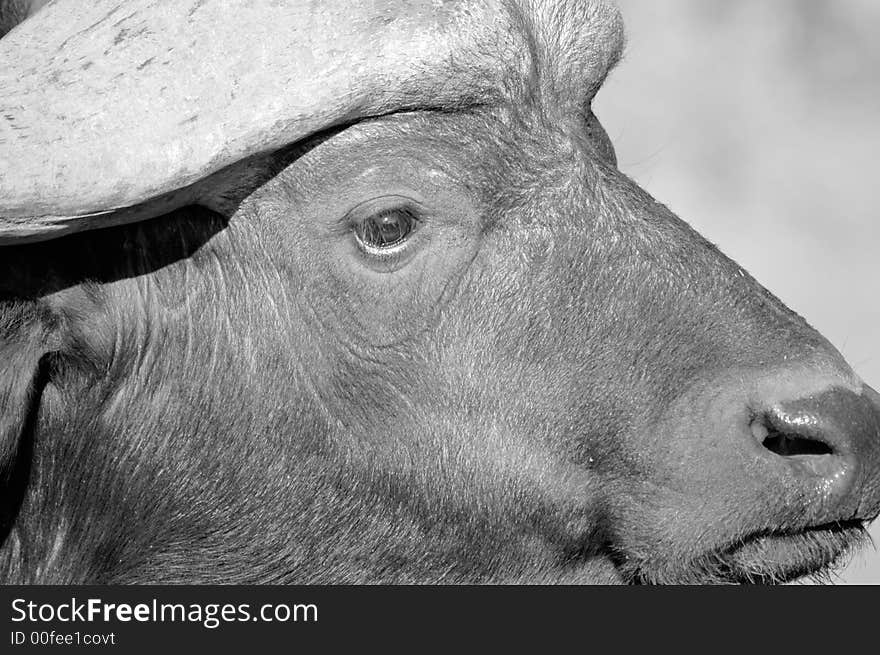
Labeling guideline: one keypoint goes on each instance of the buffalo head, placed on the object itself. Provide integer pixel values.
(354, 291)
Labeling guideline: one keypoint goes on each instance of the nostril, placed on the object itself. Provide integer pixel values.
(822, 452)
(787, 443)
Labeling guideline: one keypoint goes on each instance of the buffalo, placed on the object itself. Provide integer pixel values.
(349, 292)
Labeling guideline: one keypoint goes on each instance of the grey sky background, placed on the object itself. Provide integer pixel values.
(759, 123)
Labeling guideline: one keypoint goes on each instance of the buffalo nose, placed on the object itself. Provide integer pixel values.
(828, 446)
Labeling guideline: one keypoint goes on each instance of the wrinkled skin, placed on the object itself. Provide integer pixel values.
(518, 394)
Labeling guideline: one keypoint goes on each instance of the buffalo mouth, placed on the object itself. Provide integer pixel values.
(769, 557)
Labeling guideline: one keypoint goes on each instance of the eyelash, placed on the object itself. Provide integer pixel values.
(391, 257)
(375, 225)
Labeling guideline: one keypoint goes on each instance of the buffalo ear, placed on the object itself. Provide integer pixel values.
(25, 357)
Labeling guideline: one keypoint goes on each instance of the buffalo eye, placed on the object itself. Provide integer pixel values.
(385, 230)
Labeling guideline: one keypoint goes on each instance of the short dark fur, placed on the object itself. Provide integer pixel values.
(248, 398)
(12, 12)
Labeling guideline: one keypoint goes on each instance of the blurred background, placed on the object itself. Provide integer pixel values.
(759, 123)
